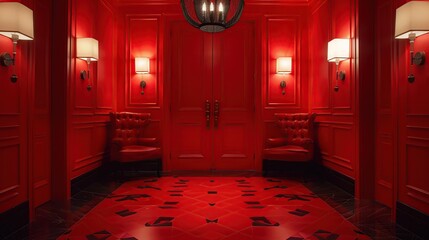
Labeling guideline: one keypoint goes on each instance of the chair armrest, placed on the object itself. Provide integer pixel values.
(152, 142)
(306, 143)
(275, 142)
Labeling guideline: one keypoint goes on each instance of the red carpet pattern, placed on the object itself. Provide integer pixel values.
(227, 208)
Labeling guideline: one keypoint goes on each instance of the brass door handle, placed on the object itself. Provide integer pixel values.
(216, 113)
(207, 113)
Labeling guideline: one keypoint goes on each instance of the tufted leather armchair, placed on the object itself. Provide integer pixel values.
(297, 145)
(128, 143)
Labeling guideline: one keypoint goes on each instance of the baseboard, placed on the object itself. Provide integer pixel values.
(14, 219)
(413, 220)
(84, 180)
(340, 180)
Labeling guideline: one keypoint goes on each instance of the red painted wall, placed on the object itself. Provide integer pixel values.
(13, 124)
(24, 117)
(401, 117)
(89, 110)
(40, 107)
(336, 111)
(385, 134)
(413, 125)
(280, 31)
(80, 117)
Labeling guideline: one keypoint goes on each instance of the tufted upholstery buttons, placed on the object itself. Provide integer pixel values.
(296, 127)
(128, 141)
(297, 142)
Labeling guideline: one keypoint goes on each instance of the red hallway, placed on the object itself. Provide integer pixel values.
(305, 119)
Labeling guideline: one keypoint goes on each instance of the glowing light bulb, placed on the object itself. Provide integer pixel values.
(204, 7)
(220, 7)
(211, 7)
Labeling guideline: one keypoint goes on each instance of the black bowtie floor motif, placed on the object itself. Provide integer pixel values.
(227, 208)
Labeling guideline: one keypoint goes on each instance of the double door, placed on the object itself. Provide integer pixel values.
(212, 98)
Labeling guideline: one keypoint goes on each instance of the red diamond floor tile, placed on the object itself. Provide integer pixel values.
(212, 208)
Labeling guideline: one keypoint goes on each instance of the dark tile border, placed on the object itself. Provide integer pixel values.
(412, 219)
(340, 180)
(14, 219)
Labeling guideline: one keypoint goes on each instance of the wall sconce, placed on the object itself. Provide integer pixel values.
(87, 50)
(16, 23)
(142, 67)
(412, 20)
(338, 50)
(284, 66)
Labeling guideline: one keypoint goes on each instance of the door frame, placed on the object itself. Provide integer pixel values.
(168, 19)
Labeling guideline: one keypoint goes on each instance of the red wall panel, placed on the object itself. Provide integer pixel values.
(319, 67)
(89, 108)
(413, 187)
(14, 125)
(336, 112)
(142, 39)
(40, 107)
(385, 136)
(283, 41)
(106, 65)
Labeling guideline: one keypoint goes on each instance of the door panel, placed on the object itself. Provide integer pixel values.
(413, 189)
(233, 84)
(215, 71)
(190, 69)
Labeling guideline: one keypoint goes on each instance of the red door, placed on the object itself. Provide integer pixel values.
(212, 98)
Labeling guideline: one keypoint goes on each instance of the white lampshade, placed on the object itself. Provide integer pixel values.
(412, 17)
(142, 65)
(284, 65)
(87, 49)
(16, 18)
(338, 49)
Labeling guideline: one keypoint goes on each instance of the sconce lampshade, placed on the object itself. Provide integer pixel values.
(16, 19)
(338, 49)
(412, 17)
(142, 65)
(284, 65)
(87, 49)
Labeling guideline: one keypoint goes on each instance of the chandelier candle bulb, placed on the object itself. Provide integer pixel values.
(220, 12)
(204, 10)
(212, 16)
(211, 12)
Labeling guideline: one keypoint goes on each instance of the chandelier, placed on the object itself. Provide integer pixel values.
(212, 15)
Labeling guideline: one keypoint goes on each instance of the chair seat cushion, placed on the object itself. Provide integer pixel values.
(139, 153)
(287, 153)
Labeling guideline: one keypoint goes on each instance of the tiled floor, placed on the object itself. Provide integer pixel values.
(213, 207)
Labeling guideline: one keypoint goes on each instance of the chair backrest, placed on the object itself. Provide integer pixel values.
(296, 126)
(128, 126)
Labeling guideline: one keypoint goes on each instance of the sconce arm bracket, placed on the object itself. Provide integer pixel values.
(142, 86)
(342, 75)
(6, 59)
(419, 58)
(283, 86)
